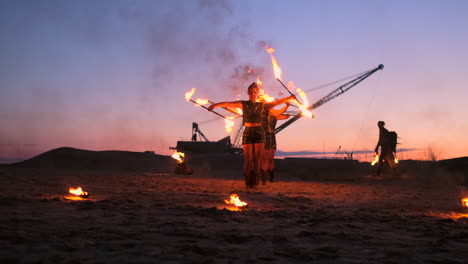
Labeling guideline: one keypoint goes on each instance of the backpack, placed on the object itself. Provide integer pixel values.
(392, 140)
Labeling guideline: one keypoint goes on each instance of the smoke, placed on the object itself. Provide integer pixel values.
(203, 38)
(99, 74)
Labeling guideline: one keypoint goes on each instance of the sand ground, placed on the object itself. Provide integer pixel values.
(147, 217)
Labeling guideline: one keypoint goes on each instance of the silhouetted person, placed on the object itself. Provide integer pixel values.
(387, 148)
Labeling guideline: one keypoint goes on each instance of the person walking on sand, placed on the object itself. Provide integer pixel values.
(269, 120)
(253, 137)
(387, 148)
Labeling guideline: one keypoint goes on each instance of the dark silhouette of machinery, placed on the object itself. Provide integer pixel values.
(196, 133)
(204, 146)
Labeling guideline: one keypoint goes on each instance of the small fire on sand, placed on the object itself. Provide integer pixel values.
(78, 193)
(235, 200)
(464, 202)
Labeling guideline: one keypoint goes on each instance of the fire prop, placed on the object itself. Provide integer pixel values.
(229, 124)
(277, 70)
(78, 192)
(235, 200)
(236, 111)
(199, 102)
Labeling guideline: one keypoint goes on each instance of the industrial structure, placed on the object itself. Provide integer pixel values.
(201, 145)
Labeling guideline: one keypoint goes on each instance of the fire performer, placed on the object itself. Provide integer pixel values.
(388, 147)
(269, 120)
(253, 137)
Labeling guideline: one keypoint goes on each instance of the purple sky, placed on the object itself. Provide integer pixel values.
(111, 75)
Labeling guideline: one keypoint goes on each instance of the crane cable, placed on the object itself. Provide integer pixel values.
(367, 111)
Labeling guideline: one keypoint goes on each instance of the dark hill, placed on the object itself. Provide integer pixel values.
(71, 158)
(457, 164)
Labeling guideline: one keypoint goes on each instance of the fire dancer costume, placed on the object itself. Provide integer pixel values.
(386, 151)
(253, 132)
(269, 121)
(269, 125)
(252, 117)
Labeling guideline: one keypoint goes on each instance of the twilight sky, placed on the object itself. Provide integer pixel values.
(111, 75)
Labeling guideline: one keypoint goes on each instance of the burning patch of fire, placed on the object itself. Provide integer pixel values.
(236, 201)
(178, 156)
(464, 202)
(78, 192)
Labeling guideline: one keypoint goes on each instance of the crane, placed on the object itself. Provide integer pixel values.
(335, 93)
(196, 131)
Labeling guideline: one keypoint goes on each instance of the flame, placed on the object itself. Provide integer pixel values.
(188, 95)
(276, 68)
(198, 101)
(235, 200)
(305, 104)
(260, 83)
(179, 156)
(238, 111)
(201, 101)
(376, 159)
(264, 97)
(465, 202)
(78, 191)
(229, 124)
(396, 160)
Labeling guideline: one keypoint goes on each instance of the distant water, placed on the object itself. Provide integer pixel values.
(9, 160)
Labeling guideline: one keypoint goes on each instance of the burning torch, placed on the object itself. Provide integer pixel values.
(277, 71)
(200, 102)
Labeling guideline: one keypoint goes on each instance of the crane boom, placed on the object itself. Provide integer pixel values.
(335, 93)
